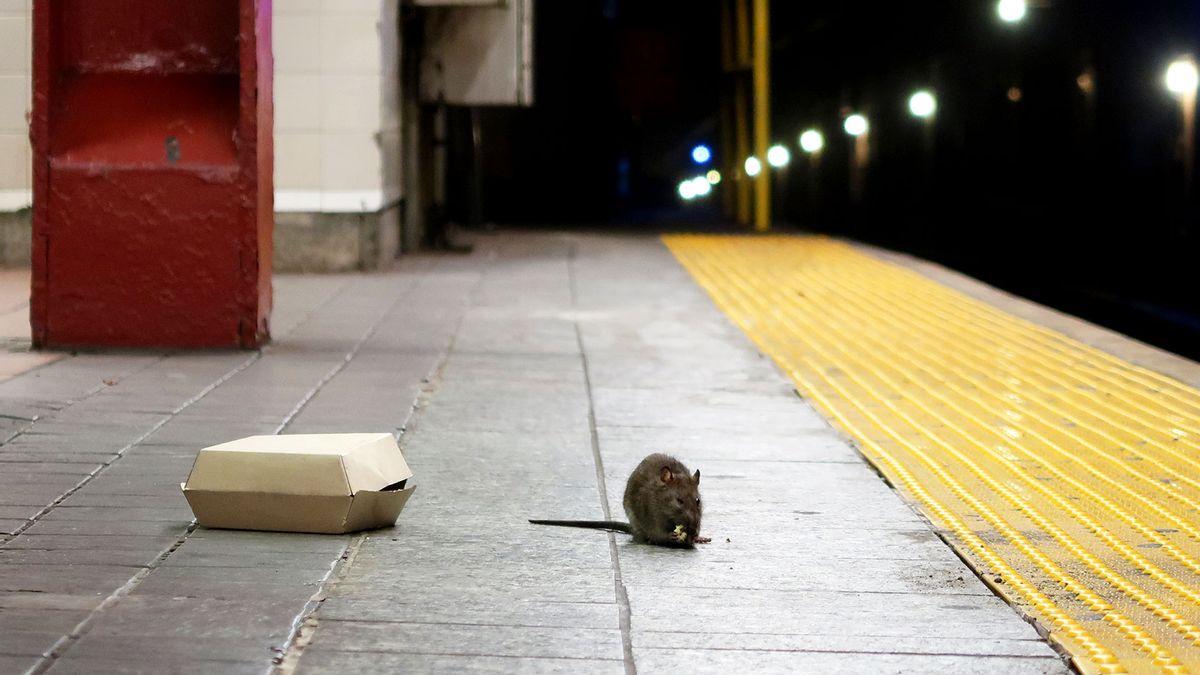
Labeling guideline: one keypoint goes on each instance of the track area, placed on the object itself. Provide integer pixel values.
(1068, 478)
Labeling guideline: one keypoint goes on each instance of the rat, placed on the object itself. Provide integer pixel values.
(662, 502)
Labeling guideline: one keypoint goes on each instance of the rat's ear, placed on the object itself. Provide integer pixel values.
(665, 475)
(697, 476)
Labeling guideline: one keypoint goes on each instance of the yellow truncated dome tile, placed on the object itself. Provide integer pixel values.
(1065, 476)
(325, 483)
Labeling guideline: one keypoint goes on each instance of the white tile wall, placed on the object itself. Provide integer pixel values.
(335, 77)
(14, 104)
(14, 43)
(350, 161)
(297, 42)
(346, 105)
(294, 110)
(15, 160)
(15, 153)
(298, 160)
(335, 97)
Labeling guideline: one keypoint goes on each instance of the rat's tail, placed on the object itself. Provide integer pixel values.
(613, 525)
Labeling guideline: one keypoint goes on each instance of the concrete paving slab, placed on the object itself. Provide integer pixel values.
(123, 557)
(175, 501)
(702, 447)
(330, 661)
(509, 416)
(63, 579)
(181, 651)
(176, 586)
(38, 477)
(80, 442)
(172, 514)
(475, 592)
(292, 543)
(471, 640)
(16, 664)
(12, 525)
(28, 644)
(593, 615)
(720, 568)
(17, 512)
(56, 601)
(89, 542)
(50, 459)
(14, 471)
(233, 560)
(758, 611)
(89, 664)
(727, 411)
(39, 620)
(714, 661)
(843, 644)
(147, 616)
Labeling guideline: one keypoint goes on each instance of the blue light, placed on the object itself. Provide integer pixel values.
(701, 154)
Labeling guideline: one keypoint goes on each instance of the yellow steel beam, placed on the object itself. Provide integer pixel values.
(741, 110)
(762, 113)
(742, 17)
(726, 112)
(741, 126)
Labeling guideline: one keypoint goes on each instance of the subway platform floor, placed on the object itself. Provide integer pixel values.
(524, 380)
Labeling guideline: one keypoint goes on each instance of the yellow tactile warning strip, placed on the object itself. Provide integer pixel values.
(1069, 478)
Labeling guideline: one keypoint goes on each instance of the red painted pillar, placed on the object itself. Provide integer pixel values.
(153, 190)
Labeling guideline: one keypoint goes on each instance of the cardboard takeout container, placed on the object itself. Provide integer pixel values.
(326, 483)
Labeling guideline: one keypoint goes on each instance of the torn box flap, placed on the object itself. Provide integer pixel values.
(371, 509)
(375, 463)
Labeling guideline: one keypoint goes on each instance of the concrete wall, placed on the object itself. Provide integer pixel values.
(337, 131)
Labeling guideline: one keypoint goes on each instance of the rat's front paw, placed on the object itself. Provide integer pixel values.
(703, 540)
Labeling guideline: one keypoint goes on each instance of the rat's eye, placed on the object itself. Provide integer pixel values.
(697, 501)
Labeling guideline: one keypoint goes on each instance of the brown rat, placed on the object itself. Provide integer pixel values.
(662, 502)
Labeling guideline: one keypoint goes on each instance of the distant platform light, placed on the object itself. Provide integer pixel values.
(687, 190)
(701, 154)
(856, 125)
(701, 185)
(778, 156)
(812, 141)
(1182, 77)
(753, 166)
(922, 104)
(713, 177)
(1087, 81)
(1011, 11)
(1015, 94)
